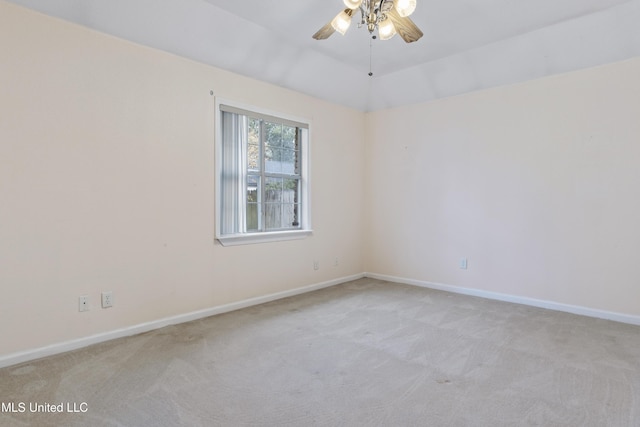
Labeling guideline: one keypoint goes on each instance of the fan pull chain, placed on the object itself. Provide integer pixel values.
(371, 54)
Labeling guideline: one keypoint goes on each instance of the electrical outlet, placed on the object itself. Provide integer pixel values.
(463, 263)
(336, 262)
(316, 265)
(83, 303)
(107, 299)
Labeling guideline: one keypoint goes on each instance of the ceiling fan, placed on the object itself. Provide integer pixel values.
(388, 16)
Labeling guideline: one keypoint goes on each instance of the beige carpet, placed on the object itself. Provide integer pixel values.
(364, 353)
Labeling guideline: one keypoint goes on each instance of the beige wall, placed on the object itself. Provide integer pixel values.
(106, 183)
(536, 184)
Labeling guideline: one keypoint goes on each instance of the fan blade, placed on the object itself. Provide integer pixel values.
(386, 6)
(405, 27)
(324, 32)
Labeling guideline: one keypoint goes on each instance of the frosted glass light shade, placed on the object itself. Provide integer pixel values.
(341, 22)
(386, 30)
(405, 7)
(352, 4)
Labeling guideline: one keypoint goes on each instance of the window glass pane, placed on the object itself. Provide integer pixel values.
(253, 206)
(291, 200)
(273, 190)
(273, 160)
(273, 203)
(253, 214)
(273, 137)
(253, 157)
(289, 162)
(254, 131)
(253, 146)
(289, 137)
(273, 216)
(252, 188)
(290, 215)
(291, 188)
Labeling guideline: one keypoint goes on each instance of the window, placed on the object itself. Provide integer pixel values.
(262, 180)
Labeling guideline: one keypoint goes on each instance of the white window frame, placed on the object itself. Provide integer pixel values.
(244, 238)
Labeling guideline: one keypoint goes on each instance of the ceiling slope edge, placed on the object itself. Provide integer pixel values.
(591, 40)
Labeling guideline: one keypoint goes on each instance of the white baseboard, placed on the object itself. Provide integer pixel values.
(25, 356)
(550, 305)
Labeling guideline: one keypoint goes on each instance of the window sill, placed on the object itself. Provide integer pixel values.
(253, 238)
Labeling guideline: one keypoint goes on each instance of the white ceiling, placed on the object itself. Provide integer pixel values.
(468, 44)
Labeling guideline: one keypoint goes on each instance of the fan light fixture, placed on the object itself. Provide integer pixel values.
(352, 4)
(405, 7)
(342, 21)
(389, 17)
(386, 30)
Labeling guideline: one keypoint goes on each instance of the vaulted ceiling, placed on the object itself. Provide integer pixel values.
(468, 44)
